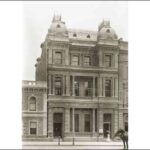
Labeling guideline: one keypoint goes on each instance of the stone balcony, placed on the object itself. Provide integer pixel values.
(82, 68)
(82, 99)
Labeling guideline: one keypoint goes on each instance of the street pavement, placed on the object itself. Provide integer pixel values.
(77, 145)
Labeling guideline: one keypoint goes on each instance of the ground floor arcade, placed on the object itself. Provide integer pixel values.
(84, 123)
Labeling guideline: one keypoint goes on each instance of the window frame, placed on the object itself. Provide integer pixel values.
(58, 61)
(29, 103)
(33, 121)
(89, 122)
(72, 61)
(106, 61)
(58, 88)
(108, 91)
(87, 63)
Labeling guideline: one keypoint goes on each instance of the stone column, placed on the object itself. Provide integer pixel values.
(50, 56)
(93, 86)
(50, 84)
(115, 121)
(100, 123)
(73, 92)
(93, 120)
(73, 121)
(63, 85)
(50, 122)
(67, 56)
(67, 120)
(53, 84)
(67, 85)
(121, 126)
(45, 125)
(53, 56)
(100, 86)
(116, 60)
(100, 119)
(116, 87)
(103, 86)
(112, 87)
(100, 58)
(80, 60)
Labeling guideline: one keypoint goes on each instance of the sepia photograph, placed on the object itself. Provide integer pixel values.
(75, 75)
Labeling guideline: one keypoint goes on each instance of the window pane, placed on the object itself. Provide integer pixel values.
(107, 88)
(58, 87)
(75, 60)
(58, 57)
(33, 124)
(76, 122)
(32, 104)
(76, 84)
(107, 60)
(88, 90)
(33, 128)
(87, 60)
(87, 123)
(33, 131)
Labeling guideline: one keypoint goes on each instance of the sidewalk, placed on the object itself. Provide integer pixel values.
(111, 143)
(69, 145)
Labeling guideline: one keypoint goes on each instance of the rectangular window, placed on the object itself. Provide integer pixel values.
(87, 60)
(87, 123)
(108, 60)
(76, 84)
(75, 60)
(76, 122)
(58, 87)
(33, 128)
(58, 58)
(88, 90)
(108, 88)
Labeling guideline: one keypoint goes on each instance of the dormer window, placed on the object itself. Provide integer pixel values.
(108, 31)
(88, 36)
(74, 35)
(58, 26)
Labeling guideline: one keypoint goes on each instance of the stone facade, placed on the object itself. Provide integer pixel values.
(81, 86)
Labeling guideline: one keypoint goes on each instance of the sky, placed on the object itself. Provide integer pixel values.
(87, 15)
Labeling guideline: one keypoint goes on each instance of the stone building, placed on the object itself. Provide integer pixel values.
(80, 87)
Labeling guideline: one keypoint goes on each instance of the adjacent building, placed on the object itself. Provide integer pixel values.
(80, 88)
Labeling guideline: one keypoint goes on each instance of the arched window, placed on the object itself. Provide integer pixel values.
(88, 36)
(58, 26)
(107, 30)
(74, 35)
(32, 104)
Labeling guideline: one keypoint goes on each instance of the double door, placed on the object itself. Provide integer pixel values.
(58, 125)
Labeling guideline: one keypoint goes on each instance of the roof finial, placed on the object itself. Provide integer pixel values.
(56, 17)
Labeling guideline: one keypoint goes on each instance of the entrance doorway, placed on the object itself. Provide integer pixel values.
(57, 126)
(107, 128)
(57, 129)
